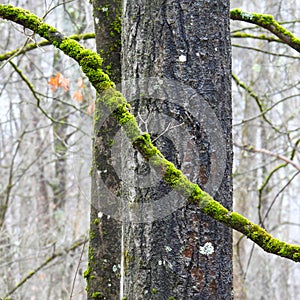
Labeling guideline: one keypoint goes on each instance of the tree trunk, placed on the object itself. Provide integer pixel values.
(176, 71)
(103, 274)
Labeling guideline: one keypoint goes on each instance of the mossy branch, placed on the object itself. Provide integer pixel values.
(28, 47)
(90, 63)
(261, 37)
(268, 22)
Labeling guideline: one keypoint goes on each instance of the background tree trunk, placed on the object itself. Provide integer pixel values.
(184, 43)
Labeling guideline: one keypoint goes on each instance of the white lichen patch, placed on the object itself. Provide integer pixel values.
(182, 58)
(115, 268)
(104, 9)
(207, 249)
(168, 249)
(100, 214)
(246, 15)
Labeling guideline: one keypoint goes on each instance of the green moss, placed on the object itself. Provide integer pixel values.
(90, 63)
(144, 145)
(214, 208)
(97, 295)
(108, 69)
(86, 273)
(117, 24)
(128, 259)
(172, 175)
(92, 235)
(171, 298)
(105, 10)
(238, 220)
(154, 291)
(96, 221)
(268, 22)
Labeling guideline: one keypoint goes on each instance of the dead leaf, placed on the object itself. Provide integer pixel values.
(91, 108)
(80, 83)
(78, 96)
(59, 81)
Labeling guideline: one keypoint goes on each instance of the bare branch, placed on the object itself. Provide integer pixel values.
(264, 51)
(257, 99)
(269, 153)
(63, 252)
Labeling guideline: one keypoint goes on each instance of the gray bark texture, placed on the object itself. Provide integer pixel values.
(103, 275)
(185, 43)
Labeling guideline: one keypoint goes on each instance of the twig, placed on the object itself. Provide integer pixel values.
(264, 51)
(169, 127)
(269, 153)
(63, 252)
(77, 268)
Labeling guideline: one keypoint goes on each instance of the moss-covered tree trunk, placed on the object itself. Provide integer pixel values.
(184, 46)
(103, 273)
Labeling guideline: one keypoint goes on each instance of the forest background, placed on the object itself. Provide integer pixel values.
(43, 162)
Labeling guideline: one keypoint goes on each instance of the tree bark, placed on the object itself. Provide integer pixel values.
(103, 275)
(183, 254)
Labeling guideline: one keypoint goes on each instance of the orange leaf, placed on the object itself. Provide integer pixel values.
(80, 83)
(91, 108)
(54, 82)
(64, 83)
(59, 81)
(77, 96)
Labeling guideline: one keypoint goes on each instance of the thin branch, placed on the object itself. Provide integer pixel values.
(77, 269)
(261, 37)
(267, 110)
(262, 187)
(169, 127)
(63, 252)
(264, 51)
(38, 99)
(31, 88)
(277, 195)
(269, 153)
(257, 100)
(32, 46)
(10, 184)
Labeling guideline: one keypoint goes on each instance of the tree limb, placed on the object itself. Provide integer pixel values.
(32, 46)
(261, 37)
(269, 153)
(90, 63)
(268, 22)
